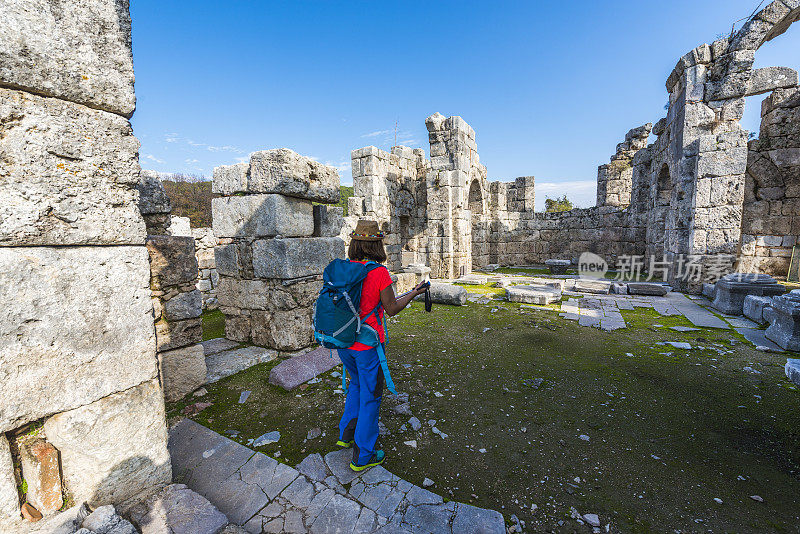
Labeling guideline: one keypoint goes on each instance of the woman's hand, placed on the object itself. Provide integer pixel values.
(420, 289)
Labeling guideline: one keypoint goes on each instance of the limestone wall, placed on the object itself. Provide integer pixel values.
(771, 219)
(77, 347)
(267, 256)
(205, 242)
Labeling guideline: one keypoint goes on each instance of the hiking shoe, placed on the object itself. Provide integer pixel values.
(345, 444)
(377, 459)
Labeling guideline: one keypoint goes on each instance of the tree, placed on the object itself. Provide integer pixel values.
(553, 205)
(191, 197)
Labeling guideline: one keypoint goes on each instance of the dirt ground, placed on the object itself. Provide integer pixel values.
(650, 438)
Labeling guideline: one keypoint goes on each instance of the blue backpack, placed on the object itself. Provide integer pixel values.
(337, 320)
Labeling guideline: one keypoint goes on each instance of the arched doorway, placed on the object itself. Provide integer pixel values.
(480, 242)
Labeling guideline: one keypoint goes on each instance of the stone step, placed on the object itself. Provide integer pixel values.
(229, 362)
(323, 495)
(299, 369)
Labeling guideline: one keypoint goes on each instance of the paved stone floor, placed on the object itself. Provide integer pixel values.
(322, 495)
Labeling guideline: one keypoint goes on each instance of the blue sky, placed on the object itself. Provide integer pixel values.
(550, 87)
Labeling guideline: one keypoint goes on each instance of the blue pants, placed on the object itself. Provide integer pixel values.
(360, 419)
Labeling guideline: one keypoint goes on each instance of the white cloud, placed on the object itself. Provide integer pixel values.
(152, 158)
(377, 133)
(191, 160)
(582, 193)
(171, 137)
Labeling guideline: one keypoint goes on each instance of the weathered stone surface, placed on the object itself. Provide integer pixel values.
(182, 371)
(80, 53)
(172, 260)
(731, 290)
(328, 220)
(262, 216)
(283, 330)
(286, 172)
(784, 328)
(533, 294)
(588, 285)
(230, 179)
(338, 516)
(472, 520)
(294, 257)
(178, 510)
(229, 362)
(181, 226)
(446, 294)
(69, 173)
(62, 345)
(184, 306)
(754, 307)
(557, 266)
(105, 520)
(645, 288)
(313, 466)
(770, 78)
(153, 197)
(297, 370)
(176, 334)
(9, 501)
(114, 450)
(41, 471)
(792, 369)
(218, 344)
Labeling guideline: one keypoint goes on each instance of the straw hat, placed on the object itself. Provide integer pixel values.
(366, 231)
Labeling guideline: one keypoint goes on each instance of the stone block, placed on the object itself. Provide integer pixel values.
(588, 285)
(182, 371)
(282, 330)
(533, 294)
(294, 257)
(229, 362)
(114, 450)
(328, 220)
(69, 173)
(784, 328)
(450, 294)
(41, 471)
(792, 369)
(184, 306)
(708, 290)
(731, 290)
(152, 196)
(178, 510)
(300, 369)
(646, 288)
(76, 52)
(770, 78)
(172, 260)
(557, 266)
(230, 179)
(262, 216)
(64, 345)
(180, 226)
(404, 282)
(175, 334)
(286, 172)
(754, 306)
(9, 500)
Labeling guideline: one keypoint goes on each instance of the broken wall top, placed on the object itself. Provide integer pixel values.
(82, 55)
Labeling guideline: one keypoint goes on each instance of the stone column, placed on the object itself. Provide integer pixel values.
(268, 260)
(72, 252)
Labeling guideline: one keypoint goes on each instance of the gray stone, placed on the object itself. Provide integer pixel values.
(338, 516)
(785, 328)
(708, 290)
(286, 172)
(557, 266)
(645, 288)
(69, 172)
(227, 363)
(313, 466)
(328, 220)
(175, 334)
(180, 226)
(297, 370)
(589, 285)
(102, 520)
(415, 424)
(339, 464)
(230, 179)
(770, 78)
(792, 369)
(754, 306)
(184, 306)
(450, 294)
(262, 216)
(473, 520)
(9, 500)
(114, 449)
(62, 345)
(266, 439)
(533, 294)
(80, 53)
(152, 196)
(182, 371)
(218, 344)
(178, 510)
(172, 260)
(732, 289)
(294, 257)
(435, 518)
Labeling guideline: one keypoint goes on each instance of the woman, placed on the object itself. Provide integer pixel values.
(359, 425)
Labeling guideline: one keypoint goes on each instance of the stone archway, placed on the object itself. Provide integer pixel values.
(476, 203)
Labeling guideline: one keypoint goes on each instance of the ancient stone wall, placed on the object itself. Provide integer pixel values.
(205, 242)
(268, 260)
(154, 203)
(77, 339)
(771, 219)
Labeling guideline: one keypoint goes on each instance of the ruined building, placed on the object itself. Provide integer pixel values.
(699, 192)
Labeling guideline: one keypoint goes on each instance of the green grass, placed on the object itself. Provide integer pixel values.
(213, 325)
(669, 429)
